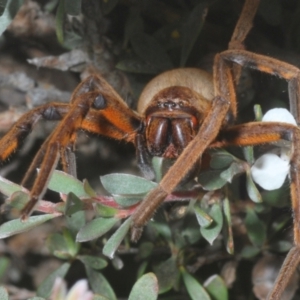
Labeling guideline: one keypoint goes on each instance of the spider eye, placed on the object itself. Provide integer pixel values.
(100, 102)
(51, 114)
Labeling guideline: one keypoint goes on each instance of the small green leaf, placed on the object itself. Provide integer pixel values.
(18, 200)
(194, 288)
(45, 288)
(211, 180)
(128, 200)
(279, 224)
(3, 293)
(249, 154)
(278, 198)
(187, 236)
(16, 226)
(203, 218)
(191, 30)
(63, 245)
(73, 7)
(142, 269)
(3, 4)
(227, 214)
(168, 274)
(211, 232)
(157, 164)
(64, 183)
(252, 190)
(75, 222)
(234, 169)
(95, 229)
(281, 246)
(4, 264)
(72, 246)
(59, 21)
(88, 189)
(51, 5)
(115, 240)
(250, 252)
(105, 211)
(117, 262)
(126, 184)
(261, 208)
(94, 262)
(258, 112)
(57, 245)
(72, 40)
(256, 229)
(146, 288)
(8, 188)
(99, 284)
(216, 287)
(221, 159)
(11, 9)
(74, 213)
(162, 228)
(73, 204)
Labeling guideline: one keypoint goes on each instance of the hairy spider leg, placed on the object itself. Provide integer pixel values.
(258, 133)
(219, 115)
(94, 107)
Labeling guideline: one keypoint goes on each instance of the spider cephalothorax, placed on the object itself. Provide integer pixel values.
(172, 121)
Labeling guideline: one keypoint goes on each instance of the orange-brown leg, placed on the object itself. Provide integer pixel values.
(244, 24)
(67, 159)
(116, 121)
(224, 87)
(93, 104)
(220, 111)
(292, 75)
(35, 163)
(271, 66)
(260, 133)
(14, 137)
(59, 140)
(241, 30)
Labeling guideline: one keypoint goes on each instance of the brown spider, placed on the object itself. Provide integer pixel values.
(181, 114)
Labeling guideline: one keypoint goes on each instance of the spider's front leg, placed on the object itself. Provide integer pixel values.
(15, 136)
(219, 112)
(223, 111)
(63, 137)
(94, 107)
